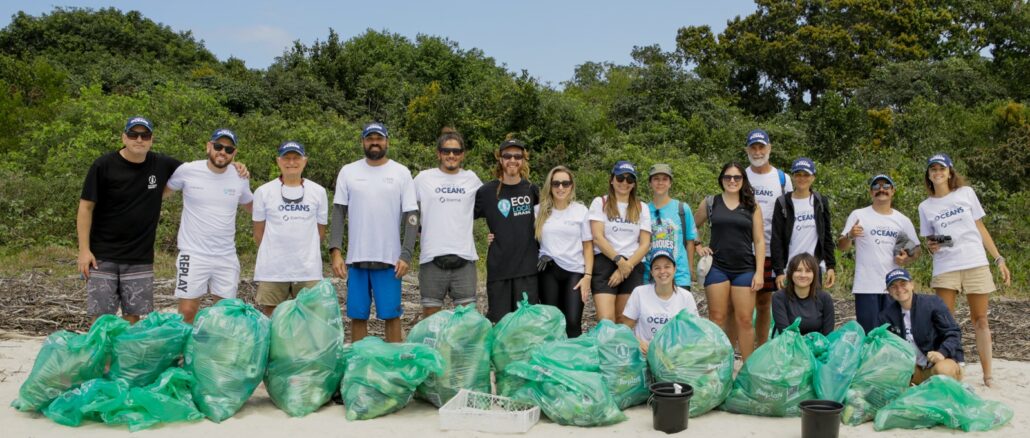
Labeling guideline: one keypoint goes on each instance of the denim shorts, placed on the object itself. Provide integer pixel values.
(716, 275)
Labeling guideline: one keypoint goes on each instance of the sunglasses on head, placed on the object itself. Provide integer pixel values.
(228, 149)
(450, 151)
(565, 183)
(511, 156)
(626, 178)
(132, 135)
(737, 178)
(881, 186)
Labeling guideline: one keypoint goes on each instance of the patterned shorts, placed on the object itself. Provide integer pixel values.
(112, 285)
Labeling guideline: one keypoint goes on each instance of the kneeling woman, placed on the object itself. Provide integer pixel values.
(803, 297)
(652, 305)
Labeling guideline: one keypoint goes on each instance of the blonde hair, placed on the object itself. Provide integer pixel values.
(547, 203)
(611, 206)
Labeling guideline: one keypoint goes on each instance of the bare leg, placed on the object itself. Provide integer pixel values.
(620, 306)
(393, 330)
(982, 330)
(131, 318)
(718, 297)
(605, 304)
(948, 296)
(358, 329)
(429, 311)
(188, 309)
(763, 305)
(267, 310)
(743, 306)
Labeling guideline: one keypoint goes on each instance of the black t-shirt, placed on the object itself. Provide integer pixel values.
(732, 240)
(816, 312)
(510, 217)
(128, 205)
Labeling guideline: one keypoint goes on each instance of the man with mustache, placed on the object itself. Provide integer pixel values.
(376, 195)
(875, 230)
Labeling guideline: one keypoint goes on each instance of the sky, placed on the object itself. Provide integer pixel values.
(546, 38)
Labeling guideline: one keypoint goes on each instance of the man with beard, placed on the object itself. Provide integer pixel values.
(207, 261)
(446, 197)
(376, 195)
(875, 231)
(507, 204)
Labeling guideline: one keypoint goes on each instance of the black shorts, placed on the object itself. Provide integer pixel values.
(603, 270)
(503, 296)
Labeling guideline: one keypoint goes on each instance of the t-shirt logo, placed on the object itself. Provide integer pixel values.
(152, 182)
(504, 206)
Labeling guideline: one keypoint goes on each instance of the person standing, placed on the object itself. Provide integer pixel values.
(207, 260)
(951, 220)
(290, 217)
(875, 231)
(507, 205)
(566, 249)
(447, 197)
(801, 224)
(376, 195)
(672, 226)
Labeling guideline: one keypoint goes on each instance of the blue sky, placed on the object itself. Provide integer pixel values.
(546, 38)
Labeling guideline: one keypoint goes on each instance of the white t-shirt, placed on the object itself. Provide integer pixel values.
(955, 215)
(290, 247)
(921, 359)
(446, 203)
(767, 189)
(376, 197)
(651, 312)
(624, 236)
(874, 251)
(563, 236)
(209, 204)
(804, 237)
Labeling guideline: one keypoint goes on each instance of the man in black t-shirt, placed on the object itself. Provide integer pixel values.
(507, 204)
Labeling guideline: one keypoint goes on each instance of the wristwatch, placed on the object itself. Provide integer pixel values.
(618, 258)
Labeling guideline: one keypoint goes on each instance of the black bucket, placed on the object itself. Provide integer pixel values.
(820, 418)
(670, 406)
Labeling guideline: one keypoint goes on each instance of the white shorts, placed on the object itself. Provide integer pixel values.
(197, 274)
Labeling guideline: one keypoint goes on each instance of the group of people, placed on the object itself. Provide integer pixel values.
(770, 254)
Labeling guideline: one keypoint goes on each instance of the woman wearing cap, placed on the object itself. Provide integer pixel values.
(566, 249)
(651, 306)
(951, 221)
(801, 224)
(621, 227)
(737, 246)
(672, 225)
(801, 297)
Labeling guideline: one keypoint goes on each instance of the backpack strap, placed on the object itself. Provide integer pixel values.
(783, 181)
(683, 224)
(782, 200)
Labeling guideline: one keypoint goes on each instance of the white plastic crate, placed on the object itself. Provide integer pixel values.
(471, 410)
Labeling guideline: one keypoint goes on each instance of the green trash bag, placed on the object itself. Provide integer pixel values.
(571, 397)
(944, 401)
(381, 377)
(885, 371)
(776, 378)
(518, 333)
(305, 352)
(463, 338)
(819, 345)
(67, 360)
(692, 350)
(623, 366)
(227, 353)
(89, 401)
(149, 347)
(834, 374)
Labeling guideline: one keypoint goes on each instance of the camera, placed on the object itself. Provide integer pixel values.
(942, 240)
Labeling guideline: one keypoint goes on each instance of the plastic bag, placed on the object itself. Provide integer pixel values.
(88, 402)
(518, 333)
(942, 400)
(776, 378)
(843, 358)
(887, 365)
(819, 345)
(381, 378)
(67, 360)
(463, 338)
(148, 348)
(623, 366)
(227, 353)
(306, 347)
(695, 351)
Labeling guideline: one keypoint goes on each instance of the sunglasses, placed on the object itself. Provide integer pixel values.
(881, 186)
(737, 178)
(566, 183)
(287, 201)
(450, 151)
(626, 178)
(132, 135)
(510, 156)
(658, 216)
(228, 149)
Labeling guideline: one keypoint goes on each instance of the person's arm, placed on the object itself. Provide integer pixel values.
(588, 267)
(407, 243)
(336, 240)
(829, 316)
(854, 230)
(167, 193)
(992, 249)
(259, 232)
(781, 319)
(828, 255)
(83, 225)
(321, 232)
(597, 229)
(644, 245)
(779, 250)
(758, 234)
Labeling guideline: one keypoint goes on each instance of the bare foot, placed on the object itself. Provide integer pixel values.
(988, 380)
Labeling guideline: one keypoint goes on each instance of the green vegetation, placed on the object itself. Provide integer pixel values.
(861, 86)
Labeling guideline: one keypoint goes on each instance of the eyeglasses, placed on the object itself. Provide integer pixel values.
(450, 151)
(737, 178)
(282, 193)
(510, 156)
(566, 183)
(626, 178)
(228, 149)
(881, 186)
(132, 135)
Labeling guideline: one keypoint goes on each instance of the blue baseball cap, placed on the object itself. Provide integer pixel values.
(898, 274)
(374, 128)
(879, 177)
(942, 159)
(138, 121)
(222, 132)
(292, 146)
(623, 167)
(803, 164)
(757, 136)
(662, 253)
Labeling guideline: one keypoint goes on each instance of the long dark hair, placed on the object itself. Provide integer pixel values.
(747, 194)
(955, 180)
(812, 264)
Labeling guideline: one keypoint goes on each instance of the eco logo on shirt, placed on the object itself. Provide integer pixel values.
(504, 206)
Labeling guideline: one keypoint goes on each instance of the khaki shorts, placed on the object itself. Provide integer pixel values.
(976, 280)
(273, 293)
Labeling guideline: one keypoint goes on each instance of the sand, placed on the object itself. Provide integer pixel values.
(259, 417)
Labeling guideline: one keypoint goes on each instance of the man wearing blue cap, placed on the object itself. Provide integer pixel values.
(925, 322)
(207, 260)
(876, 231)
(801, 224)
(290, 216)
(376, 196)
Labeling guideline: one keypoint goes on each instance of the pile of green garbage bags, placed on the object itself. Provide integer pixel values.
(776, 378)
(839, 361)
(306, 350)
(623, 366)
(693, 350)
(381, 377)
(227, 354)
(941, 400)
(518, 333)
(463, 337)
(886, 369)
(148, 348)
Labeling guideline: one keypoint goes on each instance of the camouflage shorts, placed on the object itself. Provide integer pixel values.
(113, 285)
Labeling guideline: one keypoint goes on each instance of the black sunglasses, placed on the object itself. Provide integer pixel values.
(510, 156)
(737, 178)
(450, 151)
(626, 177)
(565, 183)
(657, 216)
(228, 149)
(132, 135)
(282, 193)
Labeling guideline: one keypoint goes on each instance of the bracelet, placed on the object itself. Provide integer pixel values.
(999, 260)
